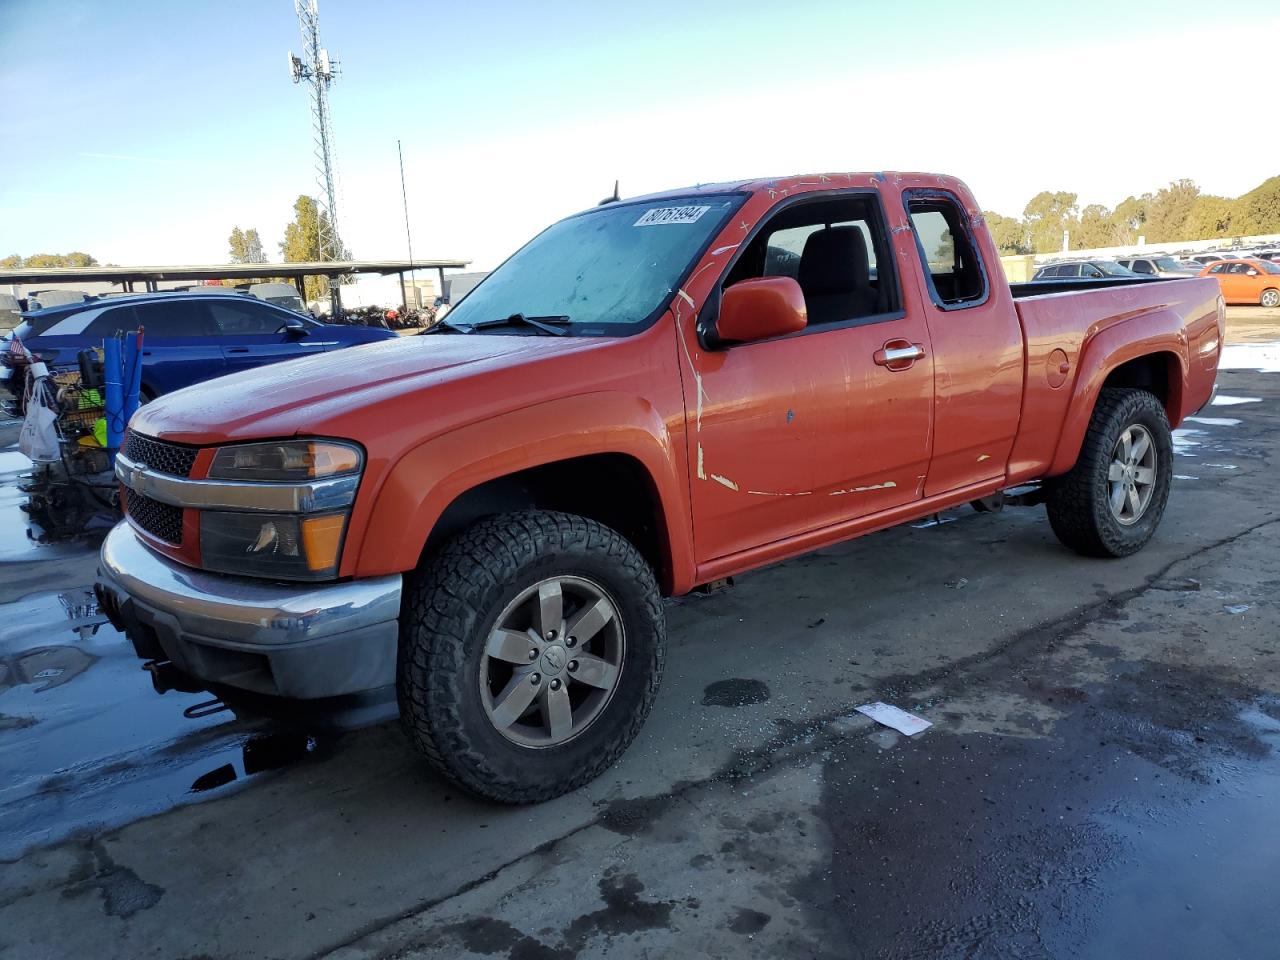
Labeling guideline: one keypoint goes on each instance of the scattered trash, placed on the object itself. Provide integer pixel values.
(1183, 476)
(1223, 466)
(1236, 607)
(894, 717)
(957, 584)
(1222, 400)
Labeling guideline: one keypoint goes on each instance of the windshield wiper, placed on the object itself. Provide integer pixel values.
(543, 323)
(443, 324)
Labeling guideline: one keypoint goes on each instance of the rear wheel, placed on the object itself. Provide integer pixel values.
(1111, 502)
(1271, 298)
(531, 651)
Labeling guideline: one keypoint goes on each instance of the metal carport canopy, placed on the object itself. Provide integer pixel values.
(222, 271)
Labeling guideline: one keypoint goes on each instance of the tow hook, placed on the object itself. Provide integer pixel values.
(165, 677)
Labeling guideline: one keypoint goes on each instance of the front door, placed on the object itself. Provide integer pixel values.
(830, 424)
(253, 334)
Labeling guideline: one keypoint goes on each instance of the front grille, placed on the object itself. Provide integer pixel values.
(158, 519)
(160, 456)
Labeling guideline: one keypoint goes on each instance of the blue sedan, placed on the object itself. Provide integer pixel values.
(188, 337)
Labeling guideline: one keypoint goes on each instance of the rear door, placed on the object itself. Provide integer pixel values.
(252, 333)
(977, 342)
(178, 345)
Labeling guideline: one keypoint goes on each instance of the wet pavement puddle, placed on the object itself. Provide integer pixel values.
(1130, 819)
(84, 741)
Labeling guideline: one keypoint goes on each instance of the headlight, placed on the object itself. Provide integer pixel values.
(284, 546)
(288, 460)
(290, 511)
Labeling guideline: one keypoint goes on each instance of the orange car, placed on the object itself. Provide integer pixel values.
(1247, 281)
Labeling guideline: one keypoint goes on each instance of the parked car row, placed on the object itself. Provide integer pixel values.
(189, 337)
(1243, 280)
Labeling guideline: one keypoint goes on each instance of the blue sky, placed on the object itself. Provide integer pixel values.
(142, 132)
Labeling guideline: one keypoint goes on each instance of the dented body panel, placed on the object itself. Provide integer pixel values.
(753, 452)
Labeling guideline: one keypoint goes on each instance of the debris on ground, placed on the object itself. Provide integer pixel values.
(895, 717)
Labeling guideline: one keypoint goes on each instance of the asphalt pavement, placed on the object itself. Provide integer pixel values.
(1100, 779)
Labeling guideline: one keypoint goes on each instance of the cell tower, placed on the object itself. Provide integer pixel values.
(318, 70)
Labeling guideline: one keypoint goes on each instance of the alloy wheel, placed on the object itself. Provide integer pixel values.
(1131, 476)
(552, 661)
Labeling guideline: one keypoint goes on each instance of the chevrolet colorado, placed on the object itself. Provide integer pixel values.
(475, 527)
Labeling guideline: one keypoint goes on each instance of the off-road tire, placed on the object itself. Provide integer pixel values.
(450, 607)
(1077, 502)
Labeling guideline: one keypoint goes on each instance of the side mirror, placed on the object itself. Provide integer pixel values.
(295, 329)
(1094, 274)
(761, 308)
(1251, 273)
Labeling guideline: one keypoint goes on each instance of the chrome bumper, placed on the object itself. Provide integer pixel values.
(303, 641)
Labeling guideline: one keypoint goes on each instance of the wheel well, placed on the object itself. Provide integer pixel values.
(1157, 373)
(611, 488)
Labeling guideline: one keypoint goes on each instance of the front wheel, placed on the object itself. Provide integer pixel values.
(1271, 298)
(531, 650)
(1111, 501)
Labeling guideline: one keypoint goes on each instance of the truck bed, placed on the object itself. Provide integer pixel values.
(1062, 321)
(1036, 288)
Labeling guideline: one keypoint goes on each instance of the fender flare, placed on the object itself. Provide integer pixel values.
(1158, 332)
(418, 488)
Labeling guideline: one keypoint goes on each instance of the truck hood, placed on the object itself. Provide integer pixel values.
(322, 393)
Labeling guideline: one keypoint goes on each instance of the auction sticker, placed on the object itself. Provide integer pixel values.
(661, 215)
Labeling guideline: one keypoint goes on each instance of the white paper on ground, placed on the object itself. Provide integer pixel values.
(891, 716)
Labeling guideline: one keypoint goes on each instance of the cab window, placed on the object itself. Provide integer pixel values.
(837, 250)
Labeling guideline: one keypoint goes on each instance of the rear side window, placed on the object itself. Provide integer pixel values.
(244, 319)
(956, 276)
(1141, 266)
(175, 319)
(1218, 268)
(111, 322)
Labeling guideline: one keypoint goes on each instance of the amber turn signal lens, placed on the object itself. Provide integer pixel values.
(333, 459)
(321, 537)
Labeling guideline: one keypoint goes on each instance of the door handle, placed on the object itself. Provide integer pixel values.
(898, 354)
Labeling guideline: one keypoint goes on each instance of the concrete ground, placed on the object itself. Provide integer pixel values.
(1100, 779)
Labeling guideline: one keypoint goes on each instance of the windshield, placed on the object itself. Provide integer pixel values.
(605, 269)
(1170, 264)
(1112, 269)
(1267, 266)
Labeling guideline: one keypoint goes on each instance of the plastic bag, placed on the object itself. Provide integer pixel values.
(39, 437)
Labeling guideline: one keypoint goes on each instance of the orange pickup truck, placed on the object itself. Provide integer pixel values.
(474, 528)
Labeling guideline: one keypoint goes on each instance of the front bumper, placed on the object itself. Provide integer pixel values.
(302, 641)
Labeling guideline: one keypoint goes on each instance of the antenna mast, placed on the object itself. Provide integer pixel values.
(318, 70)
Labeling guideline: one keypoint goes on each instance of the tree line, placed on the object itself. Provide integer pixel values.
(74, 259)
(301, 243)
(1174, 213)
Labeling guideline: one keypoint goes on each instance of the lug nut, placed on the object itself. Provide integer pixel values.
(536, 679)
(533, 653)
(551, 634)
(555, 684)
(571, 642)
(573, 665)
